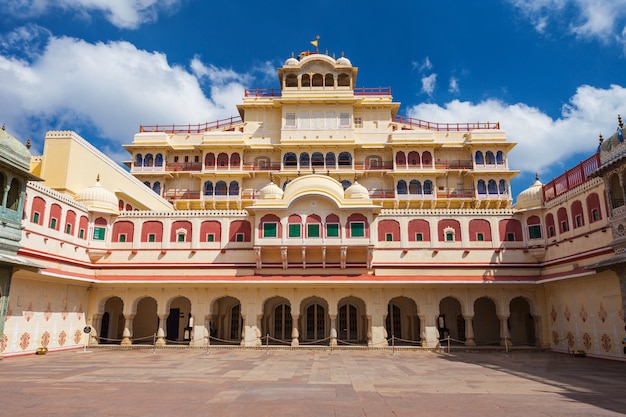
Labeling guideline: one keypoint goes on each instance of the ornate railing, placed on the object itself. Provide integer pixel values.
(571, 178)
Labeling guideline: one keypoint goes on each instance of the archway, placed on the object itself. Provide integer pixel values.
(277, 321)
(226, 320)
(486, 323)
(146, 321)
(112, 322)
(314, 320)
(351, 321)
(521, 322)
(450, 321)
(178, 327)
(402, 322)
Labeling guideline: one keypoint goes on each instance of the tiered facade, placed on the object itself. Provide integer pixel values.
(318, 216)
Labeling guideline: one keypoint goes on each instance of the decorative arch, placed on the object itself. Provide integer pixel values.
(389, 231)
(479, 230)
(419, 230)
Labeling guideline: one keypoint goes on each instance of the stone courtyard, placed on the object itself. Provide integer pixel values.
(281, 383)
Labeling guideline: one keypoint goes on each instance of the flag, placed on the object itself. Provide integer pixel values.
(303, 54)
(315, 43)
(620, 135)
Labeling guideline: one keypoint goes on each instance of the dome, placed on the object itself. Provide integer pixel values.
(98, 199)
(344, 61)
(532, 197)
(14, 150)
(291, 62)
(271, 192)
(356, 190)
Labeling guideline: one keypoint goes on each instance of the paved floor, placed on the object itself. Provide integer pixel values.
(304, 383)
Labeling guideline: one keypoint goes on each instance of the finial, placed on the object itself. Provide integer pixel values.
(271, 177)
(314, 170)
(619, 121)
(334, 55)
(98, 178)
(355, 177)
(342, 54)
(600, 139)
(536, 176)
(326, 51)
(292, 54)
(28, 143)
(3, 127)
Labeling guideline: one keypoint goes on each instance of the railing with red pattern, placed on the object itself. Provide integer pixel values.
(277, 92)
(571, 178)
(199, 128)
(445, 127)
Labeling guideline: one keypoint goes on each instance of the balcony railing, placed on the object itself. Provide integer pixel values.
(189, 128)
(454, 164)
(183, 166)
(445, 127)
(571, 178)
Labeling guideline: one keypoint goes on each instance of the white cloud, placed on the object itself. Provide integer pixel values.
(429, 83)
(112, 87)
(604, 20)
(425, 65)
(127, 14)
(453, 85)
(542, 142)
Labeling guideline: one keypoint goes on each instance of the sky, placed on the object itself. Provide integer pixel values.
(552, 72)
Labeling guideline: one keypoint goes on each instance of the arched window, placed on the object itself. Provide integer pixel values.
(220, 188)
(561, 216)
(306, 80)
(502, 187)
(222, 160)
(492, 188)
(209, 160)
(481, 187)
(138, 160)
(330, 160)
(401, 187)
(318, 80)
(208, 188)
(156, 187)
(345, 159)
(148, 160)
(343, 80)
(304, 159)
(329, 80)
(147, 184)
(235, 160)
(550, 225)
(499, 157)
(428, 187)
(489, 158)
(415, 187)
(291, 80)
(290, 159)
(233, 188)
(480, 160)
(414, 158)
(427, 159)
(13, 197)
(317, 159)
(158, 160)
(400, 158)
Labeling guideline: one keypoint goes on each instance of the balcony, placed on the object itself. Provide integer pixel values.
(183, 166)
(463, 164)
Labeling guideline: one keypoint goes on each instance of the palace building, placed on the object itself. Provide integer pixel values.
(317, 216)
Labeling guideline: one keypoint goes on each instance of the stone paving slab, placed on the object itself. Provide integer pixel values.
(285, 383)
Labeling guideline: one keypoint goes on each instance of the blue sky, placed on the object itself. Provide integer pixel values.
(552, 72)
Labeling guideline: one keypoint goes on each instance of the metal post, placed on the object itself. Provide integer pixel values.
(448, 344)
(154, 343)
(393, 344)
(267, 344)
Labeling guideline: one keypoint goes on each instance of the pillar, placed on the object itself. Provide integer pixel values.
(295, 334)
(469, 331)
(333, 330)
(160, 341)
(422, 330)
(208, 327)
(505, 336)
(96, 324)
(368, 319)
(126, 333)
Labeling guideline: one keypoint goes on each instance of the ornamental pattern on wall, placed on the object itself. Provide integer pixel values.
(587, 341)
(28, 313)
(570, 340)
(45, 339)
(602, 313)
(555, 338)
(77, 336)
(25, 340)
(62, 338)
(48, 313)
(3, 342)
(567, 313)
(553, 314)
(583, 314)
(606, 342)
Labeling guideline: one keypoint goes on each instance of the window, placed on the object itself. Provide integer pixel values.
(239, 237)
(579, 221)
(534, 232)
(53, 223)
(151, 237)
(68, 228)
(270, 230)
(98, 233)
(419, 237)
(290, 120)
(81, 233)
(357, 229)
(389, 237)
(358, 122)
(313, 230)
(210, 237)
(595, 214)
(344, 119)
(36, 217)
(332, 230)
(294, 230)
(449, 237)
(564, 226)
(180, 237)
(480, 237)
(122, 238)
(510, 237)
(551, 231)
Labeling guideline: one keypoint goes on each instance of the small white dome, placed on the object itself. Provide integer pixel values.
(532, 197)
(271, 192)
(98, 199)
(291, 62)
(356, 190)
(344, 61)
